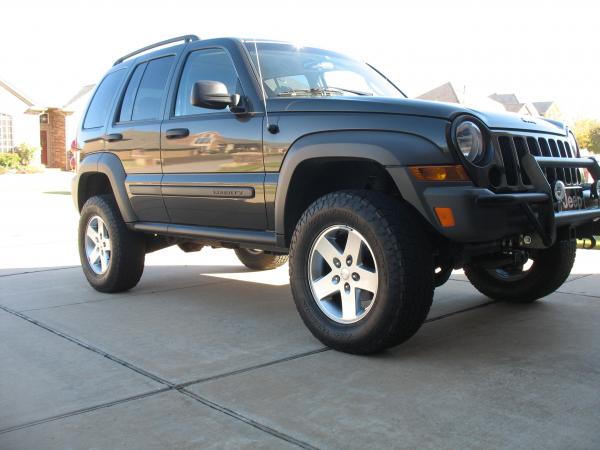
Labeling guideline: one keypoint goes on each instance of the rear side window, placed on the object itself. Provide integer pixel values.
(98, 109)
(151, 90)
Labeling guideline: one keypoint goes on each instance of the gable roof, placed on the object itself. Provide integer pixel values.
(542, 107)
(505, 99)
(17, 93)
(83, 91)
(443, 93)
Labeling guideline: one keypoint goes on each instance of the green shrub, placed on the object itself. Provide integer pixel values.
(26, 153)
(9, 160)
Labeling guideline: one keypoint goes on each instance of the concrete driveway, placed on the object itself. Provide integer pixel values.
(205, 354)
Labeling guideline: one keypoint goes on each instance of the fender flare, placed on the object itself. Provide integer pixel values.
(110, 165)
(388, 148)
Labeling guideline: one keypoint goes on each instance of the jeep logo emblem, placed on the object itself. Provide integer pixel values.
(570, 202)
(559, 190)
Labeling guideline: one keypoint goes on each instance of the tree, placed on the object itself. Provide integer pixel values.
(587, 132)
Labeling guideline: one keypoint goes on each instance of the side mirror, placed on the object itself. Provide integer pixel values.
(213, 95)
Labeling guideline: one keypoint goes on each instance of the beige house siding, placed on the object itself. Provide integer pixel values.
(25, 127)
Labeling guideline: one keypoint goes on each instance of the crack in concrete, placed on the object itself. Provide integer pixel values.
(84, 410)
(169, 386)
(247, 420)
(181, 387)
(128, 295)
(87, 346)
(38, 271)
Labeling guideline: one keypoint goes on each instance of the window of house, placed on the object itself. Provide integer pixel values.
(6, 133)
(151, 90)
(212, 64)
(96, 113)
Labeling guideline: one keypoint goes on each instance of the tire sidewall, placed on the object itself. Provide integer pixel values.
(312, 315)
(548, 272)
(97, 206)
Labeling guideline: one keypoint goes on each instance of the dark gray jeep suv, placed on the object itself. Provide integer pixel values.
(271, 150)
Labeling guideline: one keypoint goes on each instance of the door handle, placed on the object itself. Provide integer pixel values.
(113, 137)
(176, 133)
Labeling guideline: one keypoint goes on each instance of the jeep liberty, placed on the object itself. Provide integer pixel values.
(274, 150)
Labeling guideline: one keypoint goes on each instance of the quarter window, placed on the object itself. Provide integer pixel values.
(96, 113)
(6, 134)
(130, 92)
(211, 64)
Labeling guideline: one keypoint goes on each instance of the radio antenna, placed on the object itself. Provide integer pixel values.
(271, 127)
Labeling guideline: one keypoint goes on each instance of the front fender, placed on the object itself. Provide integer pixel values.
(388, 148)
(111, 166)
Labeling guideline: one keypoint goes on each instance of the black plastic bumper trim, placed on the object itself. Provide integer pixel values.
(512, 199)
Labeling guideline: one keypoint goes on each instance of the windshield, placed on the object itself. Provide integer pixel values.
(289, 71)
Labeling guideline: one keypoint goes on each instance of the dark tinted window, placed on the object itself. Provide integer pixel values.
(210, 64)
(129, 97)
(96, 113)
(152, 89)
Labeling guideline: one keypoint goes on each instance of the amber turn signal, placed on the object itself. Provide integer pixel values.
(445, 216)
(439, 173)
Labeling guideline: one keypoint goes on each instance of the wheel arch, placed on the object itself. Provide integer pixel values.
(103, 173)
(373, 151)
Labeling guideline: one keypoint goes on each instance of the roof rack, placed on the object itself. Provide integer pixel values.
(187, 38)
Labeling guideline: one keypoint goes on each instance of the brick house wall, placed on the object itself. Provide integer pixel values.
(55, 138)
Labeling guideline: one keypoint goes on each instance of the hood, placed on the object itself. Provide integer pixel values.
(413, 107)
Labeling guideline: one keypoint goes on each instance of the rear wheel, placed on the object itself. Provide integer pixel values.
(259, 260)
(361, 271)
(544, 273)
(112, 256)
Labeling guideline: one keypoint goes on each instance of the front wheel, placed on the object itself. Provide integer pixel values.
(361, 271)
(544, 273)
(112, 256)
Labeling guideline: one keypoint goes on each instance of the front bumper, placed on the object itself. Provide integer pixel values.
(483, 216)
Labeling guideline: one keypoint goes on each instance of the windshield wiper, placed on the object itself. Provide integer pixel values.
(352, 91)
(328, 91)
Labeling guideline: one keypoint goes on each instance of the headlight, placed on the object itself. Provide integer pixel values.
(469, 140)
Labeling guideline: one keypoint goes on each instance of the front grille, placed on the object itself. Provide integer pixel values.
(513, 148)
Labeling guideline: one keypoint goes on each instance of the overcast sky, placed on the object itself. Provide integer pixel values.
(540, 50)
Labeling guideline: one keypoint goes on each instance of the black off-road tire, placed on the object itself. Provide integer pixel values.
(551, 267)
(128, 250)
(258, 260)
(405, 270)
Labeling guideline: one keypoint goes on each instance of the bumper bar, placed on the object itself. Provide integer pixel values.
(572, 163)
(577, 217)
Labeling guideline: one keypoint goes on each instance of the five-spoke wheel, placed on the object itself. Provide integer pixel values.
(97, 245)
(343, 274)
(112, 256)
(361, 271)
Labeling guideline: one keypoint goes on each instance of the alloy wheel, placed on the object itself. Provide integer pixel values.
(98, 248)
(343, 274)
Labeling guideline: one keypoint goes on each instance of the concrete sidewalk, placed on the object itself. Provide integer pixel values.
(206, 354)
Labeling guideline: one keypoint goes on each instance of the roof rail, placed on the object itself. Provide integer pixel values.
(186, 38)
